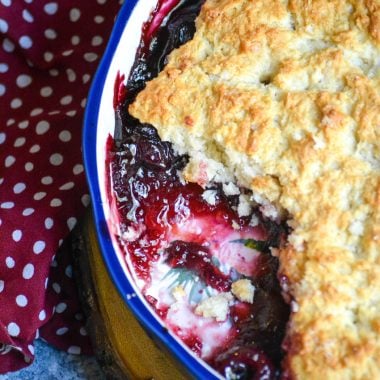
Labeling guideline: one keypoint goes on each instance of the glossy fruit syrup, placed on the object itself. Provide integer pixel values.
(167, 223)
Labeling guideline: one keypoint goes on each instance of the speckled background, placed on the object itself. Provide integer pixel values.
(51, 364)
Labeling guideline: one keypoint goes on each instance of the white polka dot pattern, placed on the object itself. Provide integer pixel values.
(42, 127)
(75, 14)
(42, 315)
(9, 161)
(64, 136)
(47, 60)
(21, 300)
(83, 331)
(46, 91)
(38, 247)
(31, 349)
(23, 124)
(51, 34)
(3, 67)
(40, 195)
(61, 307)
(28, 271)
(23, 80)
(56, 159)
(13, 329)
(27, 16)
(25, 42)
(49, 223)
(16, 235)
(62, 330)
(48, 180)
(3, 26)
(20, 141)
(75, 350)
(19, 188)
(9, 262)
(29, 166)
(28, 211)
(51, 8)
(8, 45)
(7, 205)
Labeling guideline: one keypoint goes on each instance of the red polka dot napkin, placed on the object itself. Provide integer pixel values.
(49, 51)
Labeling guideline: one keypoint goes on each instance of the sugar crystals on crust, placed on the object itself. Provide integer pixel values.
(283, 98)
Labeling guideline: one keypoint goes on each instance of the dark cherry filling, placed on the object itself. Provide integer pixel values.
(195, 257)
(152, 201)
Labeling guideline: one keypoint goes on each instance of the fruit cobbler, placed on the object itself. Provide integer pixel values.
(245, 172)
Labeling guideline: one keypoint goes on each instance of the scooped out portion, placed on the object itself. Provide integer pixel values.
(201, 256)
(207, 271)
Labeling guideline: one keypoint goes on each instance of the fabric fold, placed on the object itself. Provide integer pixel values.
(49, 52)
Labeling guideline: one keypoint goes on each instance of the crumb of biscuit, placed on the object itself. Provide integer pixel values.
(254, 221)
(215, 307)
(235, 225)
(269, 210)
(210, 196)
(244, 206)
(243, 290)
(230, 189)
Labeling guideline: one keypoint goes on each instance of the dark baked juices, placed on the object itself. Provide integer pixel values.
(188, 245)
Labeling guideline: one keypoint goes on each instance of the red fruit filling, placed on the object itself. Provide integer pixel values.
(196, 258)
(183, 250)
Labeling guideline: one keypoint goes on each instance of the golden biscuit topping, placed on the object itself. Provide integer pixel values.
(283, 98)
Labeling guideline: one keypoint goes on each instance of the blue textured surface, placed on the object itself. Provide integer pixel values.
(51, 364)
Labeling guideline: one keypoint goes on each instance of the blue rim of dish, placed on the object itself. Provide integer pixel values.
(151, 324)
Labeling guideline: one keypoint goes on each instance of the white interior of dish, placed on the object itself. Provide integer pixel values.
(122, 61)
